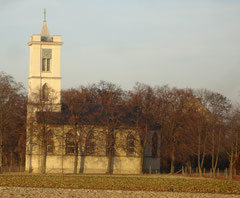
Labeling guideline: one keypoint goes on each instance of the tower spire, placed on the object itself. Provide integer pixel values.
(45, 13)
(45, 34)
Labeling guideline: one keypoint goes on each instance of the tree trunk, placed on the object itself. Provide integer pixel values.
(214, 167)
(82, 155)
(160, 160)
(44, 160)
(172, 160)
(213, 154)
(141, 159)
(236, 146)
(82, 162)
(110, 151)
(199, 155)
(30, 147)
(76, 158)
(110, 164)
(44, 153)
(11, 161)
(231, 164)
(1, 151)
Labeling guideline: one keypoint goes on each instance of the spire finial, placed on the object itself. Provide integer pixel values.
(44, 14)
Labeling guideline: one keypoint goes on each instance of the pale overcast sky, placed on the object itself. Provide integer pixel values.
(183, 43)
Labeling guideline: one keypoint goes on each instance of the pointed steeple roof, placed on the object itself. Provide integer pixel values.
(45, 34)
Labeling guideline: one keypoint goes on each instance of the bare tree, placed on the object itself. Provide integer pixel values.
(173, 117)
(42, 113)
(141, 104)
(12, 101)
(79, 105)
(218, 106)
(200, 136)
(232, 139)
(109, 115)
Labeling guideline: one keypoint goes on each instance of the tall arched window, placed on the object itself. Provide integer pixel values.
(154, 145)
(45, 92)
(70, 144)
(130, 144)
(90, 144)
(50, 142)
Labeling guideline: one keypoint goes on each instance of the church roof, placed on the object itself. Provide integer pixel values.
(45, 34)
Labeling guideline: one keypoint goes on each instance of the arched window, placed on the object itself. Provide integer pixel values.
(45, 92)
(90, 144)
(50, 142)
(154, 145)
(70, 144)
(130, 144)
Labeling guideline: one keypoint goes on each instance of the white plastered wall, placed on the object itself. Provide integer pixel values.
(37, 77)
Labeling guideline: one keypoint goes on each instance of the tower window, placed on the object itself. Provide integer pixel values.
(46, 60)
(46, 64)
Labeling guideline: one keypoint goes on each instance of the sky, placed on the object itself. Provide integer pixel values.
(185, 44)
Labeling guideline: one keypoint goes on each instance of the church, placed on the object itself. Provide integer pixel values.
(59, 155)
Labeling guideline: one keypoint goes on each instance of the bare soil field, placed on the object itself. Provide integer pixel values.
(36, 185)
(20, 192)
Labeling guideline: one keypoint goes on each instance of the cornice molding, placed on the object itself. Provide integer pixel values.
(44, 43)
(41, 77)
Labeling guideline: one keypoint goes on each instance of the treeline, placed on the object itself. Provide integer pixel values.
(198, 128)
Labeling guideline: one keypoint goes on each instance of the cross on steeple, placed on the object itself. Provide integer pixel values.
(45, 14)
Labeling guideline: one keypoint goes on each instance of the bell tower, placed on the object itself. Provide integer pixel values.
(44, 66)
(44, 90)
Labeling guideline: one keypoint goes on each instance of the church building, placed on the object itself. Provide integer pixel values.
(59, 154)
